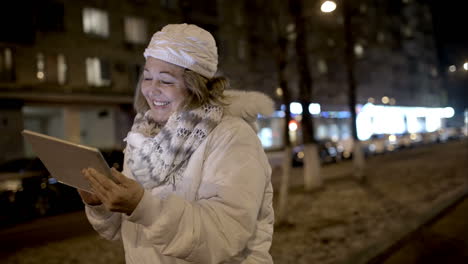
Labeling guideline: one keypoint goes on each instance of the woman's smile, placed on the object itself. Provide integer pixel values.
(161, 103)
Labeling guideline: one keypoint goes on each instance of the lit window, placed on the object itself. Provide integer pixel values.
(95, 21)
(6, 65)
(358, 50)
(135, 30)
(61, 69)
(97, 72)
(322, 66)
(40, 67)
(8, 60)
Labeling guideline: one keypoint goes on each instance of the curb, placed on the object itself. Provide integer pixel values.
(372, 254)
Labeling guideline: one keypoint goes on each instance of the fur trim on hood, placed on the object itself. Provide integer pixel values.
(247, 105)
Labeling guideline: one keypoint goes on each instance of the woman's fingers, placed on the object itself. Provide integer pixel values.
(119, 176)
(99, 188)
(122, 196)
(102, 179)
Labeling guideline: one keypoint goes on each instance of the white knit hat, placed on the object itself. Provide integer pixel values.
(188, 46)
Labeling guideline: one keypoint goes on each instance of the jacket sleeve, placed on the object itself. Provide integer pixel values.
(219, 224)
(105, 222)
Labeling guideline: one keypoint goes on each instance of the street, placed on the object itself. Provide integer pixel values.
(444, 240)
(42, 231)
(343, 222)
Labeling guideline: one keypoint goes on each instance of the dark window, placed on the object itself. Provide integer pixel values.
(105, 70)
(170, 4)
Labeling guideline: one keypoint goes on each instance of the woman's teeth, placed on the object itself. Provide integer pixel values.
(160, 103)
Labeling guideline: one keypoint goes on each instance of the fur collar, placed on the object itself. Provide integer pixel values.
(247, 105)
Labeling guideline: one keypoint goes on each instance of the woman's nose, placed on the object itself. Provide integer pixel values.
(154, 90)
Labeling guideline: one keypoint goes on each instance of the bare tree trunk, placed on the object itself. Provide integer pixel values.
(358, 155)
(281, 212)
(312, 177)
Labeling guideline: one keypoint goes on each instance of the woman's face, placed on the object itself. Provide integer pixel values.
(163, 87)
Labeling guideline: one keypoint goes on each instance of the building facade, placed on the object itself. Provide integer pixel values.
(69, 68)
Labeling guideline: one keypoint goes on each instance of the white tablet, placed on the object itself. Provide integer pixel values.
(65, 160)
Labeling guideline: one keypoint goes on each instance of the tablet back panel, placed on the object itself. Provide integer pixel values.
(65, 160)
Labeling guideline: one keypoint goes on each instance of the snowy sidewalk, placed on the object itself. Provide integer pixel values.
(343, 222)
(348, 222)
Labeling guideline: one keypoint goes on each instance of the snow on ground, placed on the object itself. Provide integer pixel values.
(343, 222)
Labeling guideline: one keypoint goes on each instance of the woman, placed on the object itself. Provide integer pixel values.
(196, 182)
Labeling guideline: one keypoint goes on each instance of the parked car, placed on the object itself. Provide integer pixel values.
(328, 151)
(23, 189)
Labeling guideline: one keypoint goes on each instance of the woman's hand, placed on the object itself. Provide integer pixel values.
(122, 196)
(89, 198)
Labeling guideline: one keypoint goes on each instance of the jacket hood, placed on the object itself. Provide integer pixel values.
(247, 105)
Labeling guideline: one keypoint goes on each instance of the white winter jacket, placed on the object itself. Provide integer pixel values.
(221, 212)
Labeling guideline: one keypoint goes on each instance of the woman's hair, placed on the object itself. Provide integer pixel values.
(200, 90)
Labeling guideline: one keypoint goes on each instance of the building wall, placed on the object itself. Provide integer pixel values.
(398, 55)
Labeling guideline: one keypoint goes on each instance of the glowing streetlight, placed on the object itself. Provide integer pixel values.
(328, 6)
(465, 66)
(385, 100)
(452, 68)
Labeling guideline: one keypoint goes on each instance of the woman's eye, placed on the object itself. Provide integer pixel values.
(164, 82)
(147, 79)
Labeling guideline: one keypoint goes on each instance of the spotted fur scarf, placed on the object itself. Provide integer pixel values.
(158, 155)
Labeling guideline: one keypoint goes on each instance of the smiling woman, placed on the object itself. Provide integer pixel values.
(196, 183)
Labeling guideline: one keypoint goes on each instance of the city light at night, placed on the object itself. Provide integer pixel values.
(328, 6)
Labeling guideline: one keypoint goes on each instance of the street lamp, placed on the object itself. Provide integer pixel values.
(328, 6)
(465, 66)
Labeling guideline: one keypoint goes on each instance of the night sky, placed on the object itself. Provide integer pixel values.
(450, 28)
(450, 24)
